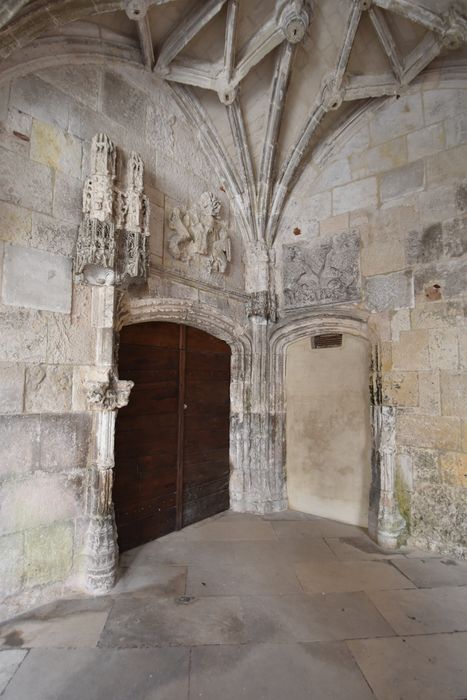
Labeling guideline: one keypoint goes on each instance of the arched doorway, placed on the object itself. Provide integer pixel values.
(172, 440)
(328, 426)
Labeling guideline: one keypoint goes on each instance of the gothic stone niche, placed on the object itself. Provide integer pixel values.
(326, 273)
(200, 233)
(112, 237)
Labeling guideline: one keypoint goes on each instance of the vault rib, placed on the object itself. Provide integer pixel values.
(186, 30)
(225, 168)
(237, 127)
(230, 35)
(427, 50)
(145, 40)
(387, 40)
(410, 10)
(350, 32)
(290, 168)
(277, 103)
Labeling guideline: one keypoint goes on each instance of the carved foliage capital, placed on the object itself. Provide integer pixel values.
(108, 394)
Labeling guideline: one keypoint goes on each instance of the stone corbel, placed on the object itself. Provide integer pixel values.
(109, 394)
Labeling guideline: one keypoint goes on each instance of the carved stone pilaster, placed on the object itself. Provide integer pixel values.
(390, 525)
(104, 398)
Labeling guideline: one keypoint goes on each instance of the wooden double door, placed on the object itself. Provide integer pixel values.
(172, 440)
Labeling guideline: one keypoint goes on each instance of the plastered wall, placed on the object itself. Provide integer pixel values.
(328, 430)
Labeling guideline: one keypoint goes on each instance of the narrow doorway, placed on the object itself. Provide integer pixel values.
(328, 459)
(172, 440)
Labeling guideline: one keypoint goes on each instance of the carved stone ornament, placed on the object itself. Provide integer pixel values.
(109, 394)
(112, 237)
(200, 231)
(262, 305)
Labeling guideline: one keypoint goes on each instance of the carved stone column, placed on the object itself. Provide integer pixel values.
(386, 523)
(263, 488)
(111, 252)
(104, 399)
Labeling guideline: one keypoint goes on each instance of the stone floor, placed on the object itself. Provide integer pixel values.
(275, 607)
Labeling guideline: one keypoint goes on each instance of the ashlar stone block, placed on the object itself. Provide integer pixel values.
(124, 103)
(12, 558)
(444, 348)
(24, 336)
(400, 389)
(396, 117)
(455, 237)
(429, 396)
(432, 432)
(55, 148)
(54, 235)
(426, 245)
(27, 503)
(454, 393)
(411, 352)
(19, 445)
(400, 321)
(65, 441)
(24, 182)
(11, 388)
(70, 341)
(437, 314)
(454, 468)
(67, 197)
(390, 292)
(15, 223)
(48, 553)
(82, 84)
(425, 465)
(446, 166)
(402, 181)
(41, 100)
(387, 156)
(37, 279)
(48, 389)
(361, 194)
(443, 103)
(425, 142)
(322, 274)
(449, 276)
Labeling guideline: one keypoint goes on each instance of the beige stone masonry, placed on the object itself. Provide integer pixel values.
(454, 468)
(411, 352)
(438, 433)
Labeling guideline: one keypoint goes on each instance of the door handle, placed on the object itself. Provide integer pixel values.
(185, 406)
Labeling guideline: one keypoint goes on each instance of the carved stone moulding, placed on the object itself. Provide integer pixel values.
(199, 232)
(112, 238)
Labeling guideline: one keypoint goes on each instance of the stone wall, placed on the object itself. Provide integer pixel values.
(48, 340)
(383, 223)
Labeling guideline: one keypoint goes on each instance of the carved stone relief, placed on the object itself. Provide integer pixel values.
(325, 273)
(112, 237)
(199, 231)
